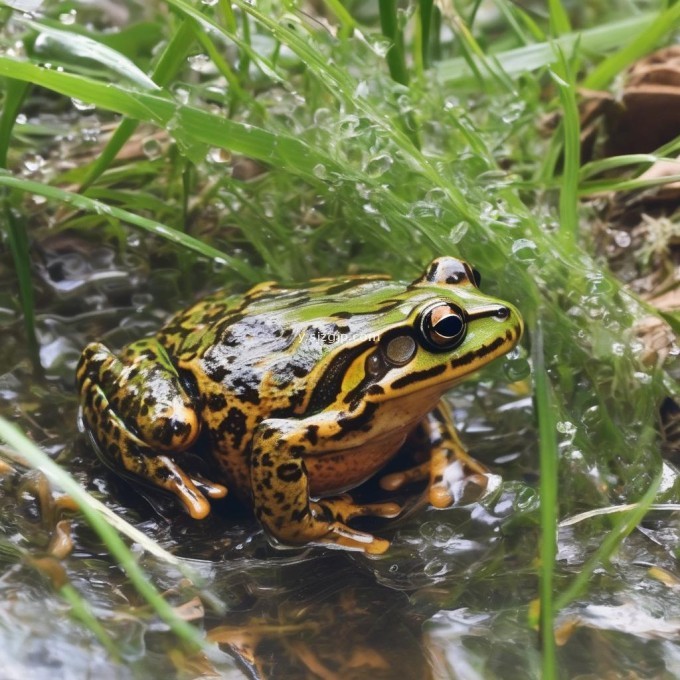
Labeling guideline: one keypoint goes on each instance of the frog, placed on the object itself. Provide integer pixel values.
(301, 393)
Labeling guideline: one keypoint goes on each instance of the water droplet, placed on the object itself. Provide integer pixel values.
(565, 427)
(435, 568)
(209, 3)
(458, 231)
(379, 165)
(361, 91)
(21, 119)
(151, 148)
(643, 378)
(524, 249)
(81, 105)
(618, 349)
(622, 238)
(68, 18)
(218, 155)
(322, 117)
(320, 171)
(379, 44)
(201, 63)
(33, 162)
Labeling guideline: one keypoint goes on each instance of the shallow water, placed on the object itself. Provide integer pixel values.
(449, 600)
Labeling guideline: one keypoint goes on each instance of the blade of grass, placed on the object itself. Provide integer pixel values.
(169, 63)
(15, 93)
(425, 14)
(84, 203)
(80, 47)
(548, 490)
(637, 47)
(539, 55)
(192, 125)
(610, 543)
(606, 185)
(27, 451)
(347, 23)
(568, 203)
(559, 19)
(396, 60)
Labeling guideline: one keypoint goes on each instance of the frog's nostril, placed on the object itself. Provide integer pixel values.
(502, 313)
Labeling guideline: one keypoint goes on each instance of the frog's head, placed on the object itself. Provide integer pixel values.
(447, 328)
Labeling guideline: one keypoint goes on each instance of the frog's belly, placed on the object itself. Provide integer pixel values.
(334, 472)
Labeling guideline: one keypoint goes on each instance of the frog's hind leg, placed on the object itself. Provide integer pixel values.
(448, 463)
(280, 487)
(135, 408)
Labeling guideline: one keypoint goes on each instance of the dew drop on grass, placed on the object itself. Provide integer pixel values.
(200, 63)
(209, 3)
(378, 165)
(320, 171)
(524, 249)
(33, 162)
(459, 231)
(565, 427)
(516, 365)
(68, 18)
(151, 148)
(218, 155)
(81, 105)
(435, 568)
(622, 238)
(379, 45)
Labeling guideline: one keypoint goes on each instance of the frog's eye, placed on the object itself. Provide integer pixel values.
(442, 326)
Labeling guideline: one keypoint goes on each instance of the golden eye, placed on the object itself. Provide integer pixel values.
(443, 326)
(400, 350)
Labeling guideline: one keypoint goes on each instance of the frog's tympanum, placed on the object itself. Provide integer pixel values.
(302, 393)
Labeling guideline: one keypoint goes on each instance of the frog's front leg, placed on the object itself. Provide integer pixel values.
(138, 411)
(281, 490)
(448, 461)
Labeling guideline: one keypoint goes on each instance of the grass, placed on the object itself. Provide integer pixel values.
(364, 152)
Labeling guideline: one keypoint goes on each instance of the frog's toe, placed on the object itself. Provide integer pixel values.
(208, 487)
(346, 538)
(165, 473)
(397, 480)
(343, 508)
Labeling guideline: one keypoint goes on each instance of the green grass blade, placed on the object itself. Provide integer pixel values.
(18, 243)
(169, 63)
(606, 185)
(73, 48)
(27, 451)
(186, 123)
(396, 60)
(347, 23)
(84, 203)
(425, 11)
(568, 203)
(15, 93)
(642, 44)
(612, 540)
(596, 40)
(81, 609)
(559, 19)
(548, 489)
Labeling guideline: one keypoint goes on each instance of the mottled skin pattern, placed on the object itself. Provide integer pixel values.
(305, 393)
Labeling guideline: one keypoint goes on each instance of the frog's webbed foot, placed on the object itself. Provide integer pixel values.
(280, 487)
(448, 466)
(162, 419)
